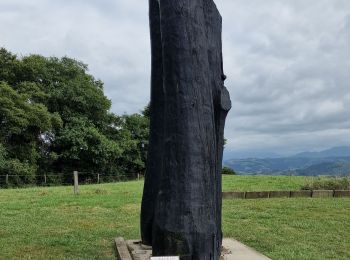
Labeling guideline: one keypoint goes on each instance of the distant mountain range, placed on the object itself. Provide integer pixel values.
(334, 161)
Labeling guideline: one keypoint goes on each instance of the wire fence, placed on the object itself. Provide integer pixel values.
(63, 179)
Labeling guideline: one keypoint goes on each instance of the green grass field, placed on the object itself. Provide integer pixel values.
(52, 223)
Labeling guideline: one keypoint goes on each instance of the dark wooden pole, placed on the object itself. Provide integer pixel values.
(181, 205)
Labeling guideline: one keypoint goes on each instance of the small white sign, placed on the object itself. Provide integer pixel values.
(166, 258)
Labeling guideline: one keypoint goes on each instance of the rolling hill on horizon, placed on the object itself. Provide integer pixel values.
(334, 161)
(339, 151)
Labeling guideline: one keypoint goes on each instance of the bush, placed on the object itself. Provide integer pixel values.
(328, 184)
(228, 171)
(2, 159)
(20, 173)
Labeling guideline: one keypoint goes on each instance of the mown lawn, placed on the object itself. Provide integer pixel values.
(51, 223)
(263, 183)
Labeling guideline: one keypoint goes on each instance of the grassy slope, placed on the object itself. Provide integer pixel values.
(262, 183)
(51, 223)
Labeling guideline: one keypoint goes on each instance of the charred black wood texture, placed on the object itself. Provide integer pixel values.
(181, 204)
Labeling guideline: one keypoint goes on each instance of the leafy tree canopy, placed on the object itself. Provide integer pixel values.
(54, 117)
(228, 171)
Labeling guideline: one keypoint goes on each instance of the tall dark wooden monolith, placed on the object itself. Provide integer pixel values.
(181, 204)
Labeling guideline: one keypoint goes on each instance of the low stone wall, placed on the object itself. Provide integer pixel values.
(233, 195)
(287, 194)
(257, 195)
(279, 194)
(341, 193)
(301, 194)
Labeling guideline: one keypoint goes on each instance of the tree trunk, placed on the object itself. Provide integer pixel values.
(181, 205)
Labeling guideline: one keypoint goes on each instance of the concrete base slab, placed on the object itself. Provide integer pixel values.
(231, 250)
(139, 251)
(234, 250)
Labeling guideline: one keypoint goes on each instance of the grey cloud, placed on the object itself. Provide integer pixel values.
(287, 61)
(288, 68)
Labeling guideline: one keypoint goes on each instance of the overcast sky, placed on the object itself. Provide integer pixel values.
(287, 62)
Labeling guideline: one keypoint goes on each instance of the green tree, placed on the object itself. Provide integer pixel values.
(2, 158)
(55, 118)
(228, 171)
(23, 124)
(131, 132)
(137, 128)
(82, 146)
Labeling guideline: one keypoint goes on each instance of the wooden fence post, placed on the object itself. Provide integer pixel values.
(7, 179)
(76, 183)
(98, 178)
(45, 178)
